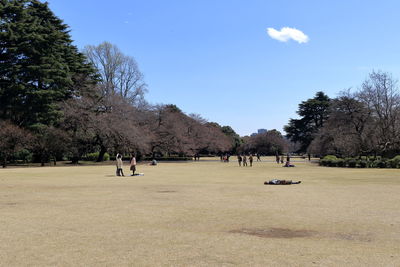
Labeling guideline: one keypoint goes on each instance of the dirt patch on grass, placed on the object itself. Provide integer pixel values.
(275, 233)
(351, 237)
(289, 233)
(9, 203)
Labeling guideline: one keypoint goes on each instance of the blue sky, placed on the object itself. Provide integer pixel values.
(215, 58)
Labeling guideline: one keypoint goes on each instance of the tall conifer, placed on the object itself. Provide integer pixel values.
(38, 63)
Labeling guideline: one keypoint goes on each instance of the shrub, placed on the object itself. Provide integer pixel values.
(330, 157)
(373, 164)
(332, 163)
(340, 163)
(170, 158)
(352, 163)
(381, 164)
(328, 160)
(91, 156)
(24, 155)
(394, 162)
(363, 164)
(94, 156)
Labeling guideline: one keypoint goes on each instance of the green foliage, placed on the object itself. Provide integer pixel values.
(340, 163)
(93, 156)
(170, 158)
(381, 163)
(236, 140)
(363, 164)
(330, 157)
(394, 162)
(351, 163)
(38, 62)
(23, 155)
(329, 161)
(313, 113)
(173, 108)
(333, 161)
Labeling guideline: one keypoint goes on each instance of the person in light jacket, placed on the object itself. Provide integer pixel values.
(133, 164)
(120, 172)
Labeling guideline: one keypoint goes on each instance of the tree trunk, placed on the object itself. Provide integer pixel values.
(102, 152)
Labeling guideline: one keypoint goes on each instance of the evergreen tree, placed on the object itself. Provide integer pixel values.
(314, 113)
(39, 64)
(236, 140)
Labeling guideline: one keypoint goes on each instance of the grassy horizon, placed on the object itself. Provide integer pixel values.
(204, 213)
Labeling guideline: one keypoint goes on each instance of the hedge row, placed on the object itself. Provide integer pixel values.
(94, 156)
(171, 158)
(333, 161)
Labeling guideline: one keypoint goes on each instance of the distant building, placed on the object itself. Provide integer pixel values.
(259, 131)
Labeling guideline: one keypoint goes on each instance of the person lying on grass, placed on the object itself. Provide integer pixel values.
(287, 164)
(284, 182)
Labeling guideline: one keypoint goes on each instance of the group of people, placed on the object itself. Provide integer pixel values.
(225, 158)
(120, 171)
(132, 164)
(242, 160)
(281, 160)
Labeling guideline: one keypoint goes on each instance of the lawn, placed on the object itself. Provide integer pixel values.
(203, 213)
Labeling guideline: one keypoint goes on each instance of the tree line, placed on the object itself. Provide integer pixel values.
(362, 122)
(58, 103)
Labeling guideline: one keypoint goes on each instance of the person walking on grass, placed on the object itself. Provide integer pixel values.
(251, 160)
(239, 160)
(244, 160)
(258, 157)
(133, 164)
(120, 172)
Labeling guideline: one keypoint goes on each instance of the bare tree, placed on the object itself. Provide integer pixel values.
(78, 117)
(366, 122)
(12, 139)
(174, 132)
(119, 73)
(270, 142)
(104, 124)
(49, 143)
(380, 93)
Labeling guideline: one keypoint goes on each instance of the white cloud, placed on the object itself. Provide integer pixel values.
(286, 33)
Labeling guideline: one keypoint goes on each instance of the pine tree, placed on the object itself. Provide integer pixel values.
(39, 66)
(313, 112)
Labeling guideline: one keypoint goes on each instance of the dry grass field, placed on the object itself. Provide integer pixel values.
(203, 213)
